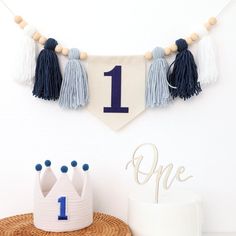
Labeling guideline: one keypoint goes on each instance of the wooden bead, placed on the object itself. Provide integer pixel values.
(189, 41)
(194, 36)
(174, 47)
(167, 51)
(148, 55)
(212, 21)
(36, 36)
(22, 24)
(58, 48)
(42, 40)
(207, 26)
(65, 51)
(18, 19)
(83, 56)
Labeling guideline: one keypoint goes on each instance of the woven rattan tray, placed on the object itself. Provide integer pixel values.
(103, 225)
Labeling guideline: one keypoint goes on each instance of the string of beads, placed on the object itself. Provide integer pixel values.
(38, 37)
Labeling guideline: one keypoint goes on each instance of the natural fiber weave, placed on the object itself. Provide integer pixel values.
(103, 225)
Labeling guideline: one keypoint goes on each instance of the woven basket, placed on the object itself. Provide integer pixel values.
(103, 225)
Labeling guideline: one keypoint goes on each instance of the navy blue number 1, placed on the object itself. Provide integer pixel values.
(115, 74)
(62, 216)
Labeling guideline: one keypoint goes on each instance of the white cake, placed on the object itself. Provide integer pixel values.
(176, 214)
(63, 204)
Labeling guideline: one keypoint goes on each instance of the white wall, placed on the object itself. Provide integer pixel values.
(199, 133)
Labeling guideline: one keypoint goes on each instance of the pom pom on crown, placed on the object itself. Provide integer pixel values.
(47, 163)
(64, 169)
(38, 167)
(85, 167)
(74, 163)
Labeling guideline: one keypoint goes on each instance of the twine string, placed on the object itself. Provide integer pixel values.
(7, 7)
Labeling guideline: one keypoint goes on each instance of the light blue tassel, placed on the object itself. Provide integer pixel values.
(157, 87)
(74, 88)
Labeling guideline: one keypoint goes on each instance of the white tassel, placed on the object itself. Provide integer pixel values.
(206, 61)
(26, 59)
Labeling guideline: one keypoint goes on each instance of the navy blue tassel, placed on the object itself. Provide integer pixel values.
(48, 76)
(184, 76)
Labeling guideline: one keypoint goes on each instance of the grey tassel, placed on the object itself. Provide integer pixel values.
(157, 87)
(74, 89)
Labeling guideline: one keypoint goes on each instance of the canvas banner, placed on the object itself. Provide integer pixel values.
(116, 88)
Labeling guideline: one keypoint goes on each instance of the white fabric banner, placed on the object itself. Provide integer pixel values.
(116, 88)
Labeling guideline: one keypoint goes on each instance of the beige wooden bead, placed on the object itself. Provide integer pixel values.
(22, 24)
(189, 41)
(174, 47)
(65, 51)
(212, 21)
(58, 48)
(83, 56)
(207, 26)
(42, 40)
(18, 19)
(36, 36)
(167, 51)
(194, 36)
(148, 55)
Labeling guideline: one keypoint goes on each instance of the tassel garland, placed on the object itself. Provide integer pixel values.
(157, 89)
(74, 90)
(206, 60)
(26, 58)
(48, 76)
(184, 76)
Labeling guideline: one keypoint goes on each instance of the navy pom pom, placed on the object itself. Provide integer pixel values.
(85, 167)
(74, 163)
(184, 76)
(48, 76)
(64, 169)
(47, 163)
(38, 167)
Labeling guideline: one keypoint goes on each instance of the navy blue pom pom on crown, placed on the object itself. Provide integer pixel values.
(38, 167)
(64, 169)
(47, 163)
(74, 163)
(85, 167)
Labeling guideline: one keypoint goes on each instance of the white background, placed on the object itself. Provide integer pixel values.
(199, 133)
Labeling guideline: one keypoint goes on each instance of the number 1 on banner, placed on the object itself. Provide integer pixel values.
(115, 74)
(62, 216)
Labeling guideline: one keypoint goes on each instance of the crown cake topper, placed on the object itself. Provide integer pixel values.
(62, 205)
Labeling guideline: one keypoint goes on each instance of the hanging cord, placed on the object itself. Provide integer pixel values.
(7, 7)
(224, 7)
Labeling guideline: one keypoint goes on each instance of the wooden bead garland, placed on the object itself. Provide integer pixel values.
(58, 48)
(36, 36)
(173, 48)
(189, 40)
(22, 24)
(194, 36)
(65, 51)
(207, 26)
(83, 55)
(148, 55)
(212, 21)
(167, 51)
(42, 40)
(18, 19)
